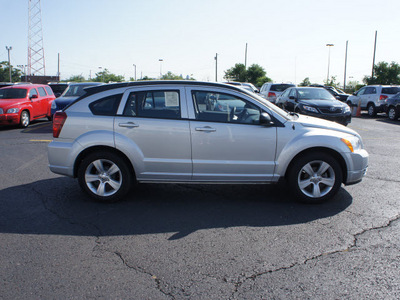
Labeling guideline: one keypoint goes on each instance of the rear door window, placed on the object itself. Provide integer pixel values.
(42, 92)
(160, 104)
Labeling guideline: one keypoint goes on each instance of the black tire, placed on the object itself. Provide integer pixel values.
(322, 184)
(98, 182)
(371, 110)
(24, 119)
(393, 113)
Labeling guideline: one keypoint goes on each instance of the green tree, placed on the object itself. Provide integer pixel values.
(171, 76)
(106, 76)
(76, 78)
(332, 82)
(305, 82)
(254, 74)
(5, 73)
(236, 73)
(384, 73)
(257, 75)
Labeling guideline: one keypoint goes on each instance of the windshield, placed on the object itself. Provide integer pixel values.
(12, 93)
(75, 90)
(314, 93)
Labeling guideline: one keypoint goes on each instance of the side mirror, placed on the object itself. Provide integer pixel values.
(265, 119)
(33, 97)
(355, 94)
(293, 98)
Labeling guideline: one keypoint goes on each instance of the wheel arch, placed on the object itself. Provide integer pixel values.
(94, 149)
(329, 151)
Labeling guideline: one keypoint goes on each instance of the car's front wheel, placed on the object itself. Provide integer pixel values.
(105, 176)
(315, 177)
(24, 119)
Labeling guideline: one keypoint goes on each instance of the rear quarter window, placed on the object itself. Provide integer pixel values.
(107, 106)
(391, 90)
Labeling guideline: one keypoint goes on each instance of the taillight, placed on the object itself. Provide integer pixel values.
(58, 122)
(382, 97)
(270, 94)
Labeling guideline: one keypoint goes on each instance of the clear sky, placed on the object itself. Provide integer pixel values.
(287, 38)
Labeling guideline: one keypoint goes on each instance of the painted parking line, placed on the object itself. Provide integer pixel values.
(45, 141)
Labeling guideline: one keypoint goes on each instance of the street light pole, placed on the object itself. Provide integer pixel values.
(345, 68)
(9, 61)
(102, 75)
(329, 60)
(135, 71)
(160, 60)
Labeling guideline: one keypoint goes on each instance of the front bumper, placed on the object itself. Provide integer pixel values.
(358, 166)
(342, 119)
(9, 119)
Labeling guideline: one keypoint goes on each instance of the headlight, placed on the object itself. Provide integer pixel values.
(310, 108)
(346, 109)
(352, 142)
(13, 110)
(53, 105)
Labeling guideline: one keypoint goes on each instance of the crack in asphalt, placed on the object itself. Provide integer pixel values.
(143, 271)
(353, 245)
(382, 179)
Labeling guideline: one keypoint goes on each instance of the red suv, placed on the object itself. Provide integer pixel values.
(20, 104)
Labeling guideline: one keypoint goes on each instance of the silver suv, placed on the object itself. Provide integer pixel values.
(373, 97)
(271, 91)
(197, 132)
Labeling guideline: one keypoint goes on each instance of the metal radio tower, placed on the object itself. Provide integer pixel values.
(36, 65)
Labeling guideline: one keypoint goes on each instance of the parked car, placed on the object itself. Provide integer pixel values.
(20, 104)
(271, 91)
(316, 102)
(392, 107)
(58, 88)
(337, 93)
(116, 134)
(70, 94)
(372, 97)
(245, 85)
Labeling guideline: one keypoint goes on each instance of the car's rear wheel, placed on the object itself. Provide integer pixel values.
(105, 176)
(393, 114)
(315, 177)
(24, 119)
(371, 110)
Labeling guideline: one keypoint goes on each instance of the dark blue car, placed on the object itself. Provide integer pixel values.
(71, 93)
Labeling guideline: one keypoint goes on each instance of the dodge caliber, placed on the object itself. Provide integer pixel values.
(167, 131)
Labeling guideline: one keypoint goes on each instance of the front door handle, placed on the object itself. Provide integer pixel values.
(206, 129)
(128, 125)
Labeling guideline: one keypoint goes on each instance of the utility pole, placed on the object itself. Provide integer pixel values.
(135, 70)
(245, 58)
(345, 68)
(373, 60)
(9, 61)
(216, 67)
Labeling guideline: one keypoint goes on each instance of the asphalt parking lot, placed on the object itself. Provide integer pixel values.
(197, 241)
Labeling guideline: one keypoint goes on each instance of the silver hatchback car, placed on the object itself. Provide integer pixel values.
(198, 132)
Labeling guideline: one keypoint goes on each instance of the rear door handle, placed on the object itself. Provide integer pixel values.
(206, 129)
(128, 125)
